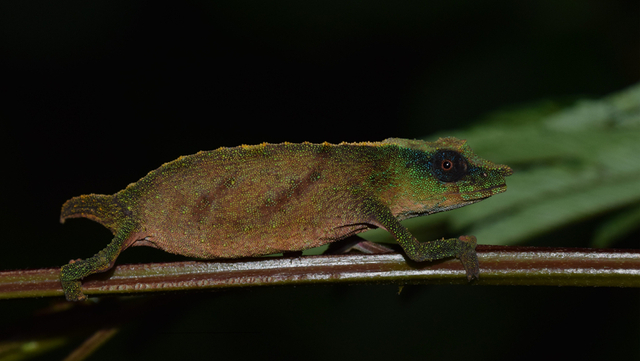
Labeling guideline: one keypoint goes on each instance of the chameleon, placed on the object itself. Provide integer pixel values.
(254, 200)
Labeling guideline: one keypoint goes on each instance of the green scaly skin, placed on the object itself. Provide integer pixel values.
(272, 198)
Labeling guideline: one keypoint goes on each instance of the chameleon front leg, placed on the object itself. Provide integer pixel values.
(72, 273)
(463, 248)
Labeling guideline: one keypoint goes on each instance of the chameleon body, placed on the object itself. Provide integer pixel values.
(272, 198)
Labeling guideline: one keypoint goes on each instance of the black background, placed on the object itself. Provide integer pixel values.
(96, 94)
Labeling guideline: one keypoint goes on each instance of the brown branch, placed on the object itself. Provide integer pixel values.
(499, 265)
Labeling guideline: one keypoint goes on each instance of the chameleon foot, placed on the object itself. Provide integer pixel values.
(468, 257)
(72, 291)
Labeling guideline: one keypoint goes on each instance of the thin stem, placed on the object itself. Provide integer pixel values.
(91, 344)
(499, 265)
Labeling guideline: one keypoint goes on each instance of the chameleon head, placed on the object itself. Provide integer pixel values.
(444, 175)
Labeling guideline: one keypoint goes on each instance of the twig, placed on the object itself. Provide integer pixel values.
(91, 344)
(499, 265)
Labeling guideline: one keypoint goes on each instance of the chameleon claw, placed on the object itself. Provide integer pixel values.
(73, 291)
(468, 257)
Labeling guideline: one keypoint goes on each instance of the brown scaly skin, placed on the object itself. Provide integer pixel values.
(272, 198)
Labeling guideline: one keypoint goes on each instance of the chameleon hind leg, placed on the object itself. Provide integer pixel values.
(357, 243)
(74, 271)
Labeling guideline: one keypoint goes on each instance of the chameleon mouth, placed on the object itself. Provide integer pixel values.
(477, 195)
(455, 200)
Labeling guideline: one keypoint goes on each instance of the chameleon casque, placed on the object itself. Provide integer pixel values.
(269, 198)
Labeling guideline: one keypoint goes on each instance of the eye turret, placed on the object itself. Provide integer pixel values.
(448, 166)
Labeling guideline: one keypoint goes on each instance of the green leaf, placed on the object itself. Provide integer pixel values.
(616, 228)
(569, 165)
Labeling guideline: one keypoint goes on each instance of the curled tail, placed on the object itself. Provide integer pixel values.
(101, 208)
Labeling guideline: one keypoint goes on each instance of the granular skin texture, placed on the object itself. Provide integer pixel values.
(272, 198)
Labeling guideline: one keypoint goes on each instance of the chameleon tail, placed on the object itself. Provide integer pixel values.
(101, 208)
(108, 211)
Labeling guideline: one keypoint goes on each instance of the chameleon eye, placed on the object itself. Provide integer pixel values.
(448, 166)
